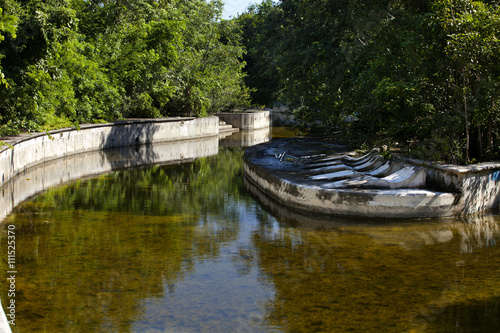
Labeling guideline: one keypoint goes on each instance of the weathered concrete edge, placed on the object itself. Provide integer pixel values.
(476, 188)
(31, 150)
(248, 120)
(350, 203)
(478, 184)
(15, 139)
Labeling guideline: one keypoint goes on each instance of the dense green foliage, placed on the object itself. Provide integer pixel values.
(421, 74)
(72, 61)
(424, 74)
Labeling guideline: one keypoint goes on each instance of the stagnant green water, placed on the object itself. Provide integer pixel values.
(185, 248)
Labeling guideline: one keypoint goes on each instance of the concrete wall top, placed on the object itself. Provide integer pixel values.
(28, 150)
(453, 168)
(14, 139)
(248, 119)
(478, 184)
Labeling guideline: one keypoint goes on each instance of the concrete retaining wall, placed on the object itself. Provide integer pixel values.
(30, 150)
(32, 181)
(478, 184)
(282, 116)
(37, 179)
(247, 120)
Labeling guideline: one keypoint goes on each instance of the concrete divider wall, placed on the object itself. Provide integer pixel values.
(467, 190)
(247, 120)
(478, 185)
(481, 191)
(30, 150)
(372, 203)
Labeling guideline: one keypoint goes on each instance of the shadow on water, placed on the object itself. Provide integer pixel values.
(473, 316)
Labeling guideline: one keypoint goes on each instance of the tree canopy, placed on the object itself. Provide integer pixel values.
(65, 62)
(423, 74)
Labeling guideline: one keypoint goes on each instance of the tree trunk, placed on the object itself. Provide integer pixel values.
(467, 135)
(479, 142)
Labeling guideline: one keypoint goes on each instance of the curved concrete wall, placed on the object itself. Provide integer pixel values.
(30, 150)
(33, 162)
(37, 179)
(36, 162)
(467, 190)
(398, 204)
(43, 176)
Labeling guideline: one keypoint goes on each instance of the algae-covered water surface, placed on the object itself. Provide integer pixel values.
(186, 248)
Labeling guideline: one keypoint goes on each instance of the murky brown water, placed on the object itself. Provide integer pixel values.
(186, 248)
